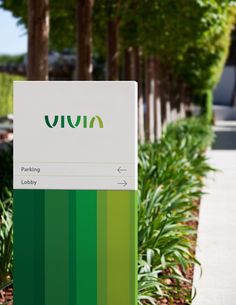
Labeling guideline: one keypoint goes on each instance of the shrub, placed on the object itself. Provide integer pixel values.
(6, 238)
(6, 171)
(6, 92)
(170, 182)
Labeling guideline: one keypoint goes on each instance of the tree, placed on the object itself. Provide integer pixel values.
(107, 16)
(34, 14)
(84, 69)
(38, 39)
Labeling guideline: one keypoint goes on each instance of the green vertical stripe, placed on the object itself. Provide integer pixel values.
(39, 246)
(72, 248)
(24, 250)
(101, 248)
(118, 248)
(56, 247)
(86, 247)
(133, 205)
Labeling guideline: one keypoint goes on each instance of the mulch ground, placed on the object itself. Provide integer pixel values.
(186, 287)
(6, 296)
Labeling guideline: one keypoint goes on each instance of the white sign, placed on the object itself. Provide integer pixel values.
(75, 135)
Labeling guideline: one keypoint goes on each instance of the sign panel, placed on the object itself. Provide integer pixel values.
(75, 183)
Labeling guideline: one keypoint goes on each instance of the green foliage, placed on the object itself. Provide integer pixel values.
(206, 102)
(6, 161)
(6, 92)
(62, 13)
(6, 238)
(192, 37)
(11, 59)
(170, 182)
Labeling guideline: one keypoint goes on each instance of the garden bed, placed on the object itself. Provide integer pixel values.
(170, 181)
(170, 187)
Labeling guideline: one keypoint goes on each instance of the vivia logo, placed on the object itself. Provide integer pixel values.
(81, 121)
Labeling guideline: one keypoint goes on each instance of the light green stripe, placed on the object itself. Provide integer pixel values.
(56, 247)
(118, 248)
(101, 248)
(133, 204)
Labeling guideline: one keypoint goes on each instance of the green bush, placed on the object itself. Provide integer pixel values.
(6, 238)
(6, 172)
(6, 92)
(170, 182)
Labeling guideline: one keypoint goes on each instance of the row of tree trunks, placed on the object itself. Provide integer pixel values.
(38, 40)
(161, 98)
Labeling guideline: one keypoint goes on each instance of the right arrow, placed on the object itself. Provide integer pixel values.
(124, 183)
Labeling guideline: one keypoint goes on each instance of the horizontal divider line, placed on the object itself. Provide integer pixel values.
(73, 176)
(53, 162)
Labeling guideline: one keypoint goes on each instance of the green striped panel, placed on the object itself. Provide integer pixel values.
(75, 247)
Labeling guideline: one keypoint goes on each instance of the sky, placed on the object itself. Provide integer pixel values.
(13, 38)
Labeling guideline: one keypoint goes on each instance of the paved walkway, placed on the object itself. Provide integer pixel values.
(217, 228)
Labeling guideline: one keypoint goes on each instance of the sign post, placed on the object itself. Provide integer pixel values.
(75, 189)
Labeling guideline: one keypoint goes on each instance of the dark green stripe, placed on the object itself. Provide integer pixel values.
(72, 248)
(86, 247)
(56, 247)
(101, 248)
(39, 246)
(24, 247)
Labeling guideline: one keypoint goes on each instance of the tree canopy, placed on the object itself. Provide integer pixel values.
(192, 37)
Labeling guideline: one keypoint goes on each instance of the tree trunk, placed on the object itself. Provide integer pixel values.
(113, 50)
(188, 103)
(149, 97)
(38, 36)
(162, 95)
(157, 100)
(129, 64)
(182, 101)
(138, 64)
(84, 69)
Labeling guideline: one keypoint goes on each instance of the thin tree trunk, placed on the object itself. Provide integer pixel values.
(38, 37)
(182, 101)
(84, 69)
(138, 64)
(164, 99)
(188, 103)
(113, 50)
(149, 96)
(129, 64)
(157, 100)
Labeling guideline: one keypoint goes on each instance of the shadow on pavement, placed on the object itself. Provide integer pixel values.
(225, 136)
